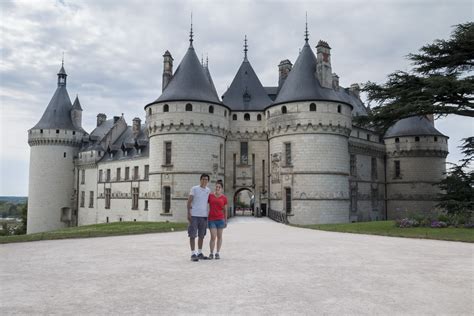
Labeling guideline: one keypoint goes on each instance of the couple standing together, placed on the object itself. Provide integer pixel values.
(200, 219)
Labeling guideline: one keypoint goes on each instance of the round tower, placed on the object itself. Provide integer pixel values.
(308, 129)
(416, 162)
(186, 125)
(54, 143)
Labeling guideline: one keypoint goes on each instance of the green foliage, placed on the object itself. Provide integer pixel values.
(440, 83)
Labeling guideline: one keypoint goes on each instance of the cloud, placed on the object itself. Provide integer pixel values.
(113, 50)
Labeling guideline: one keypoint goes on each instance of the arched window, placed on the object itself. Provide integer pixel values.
(283, 110)
(166, 108)
(247, 117)
(149, 111)
(259, 117)
(312, 107)
(234, 117)
(189, 107)
(417, 139)
(211, 109)
(339, 109)
(397, 140)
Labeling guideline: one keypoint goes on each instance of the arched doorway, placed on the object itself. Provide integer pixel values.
(243, 202)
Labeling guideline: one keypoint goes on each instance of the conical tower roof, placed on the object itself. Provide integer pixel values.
(302, 84)
(58, 112)
(246, 92)
(189, 82)
(77, 105)
(412, 126)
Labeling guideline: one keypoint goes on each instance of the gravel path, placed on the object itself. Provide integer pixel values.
(266, 268)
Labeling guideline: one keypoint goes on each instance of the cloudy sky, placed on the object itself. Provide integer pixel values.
(113, 52)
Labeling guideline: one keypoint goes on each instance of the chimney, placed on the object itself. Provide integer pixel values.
(116, 119)
(101, 118)
(136, 127)
(167, 70)
(323, 64)
(335, 81)
(284, 69)
(355, 89)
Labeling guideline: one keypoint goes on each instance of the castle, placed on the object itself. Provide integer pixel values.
(293, 146)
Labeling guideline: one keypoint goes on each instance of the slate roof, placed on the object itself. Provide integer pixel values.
(302, 84)
(412, 126)
(77, 105)
(246, 93)
(189, 82)
(58, 112)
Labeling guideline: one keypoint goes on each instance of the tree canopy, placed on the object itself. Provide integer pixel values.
(440, 82)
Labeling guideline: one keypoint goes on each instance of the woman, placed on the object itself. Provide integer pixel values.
(217, 219)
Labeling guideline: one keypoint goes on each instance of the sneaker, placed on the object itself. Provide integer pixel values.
(202, 256)
(194, 258)
(211, 256)
(217, 256)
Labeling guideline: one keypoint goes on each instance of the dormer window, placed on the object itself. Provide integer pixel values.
(189, 107)
(166, 108)
(283, 110)
(247, 117)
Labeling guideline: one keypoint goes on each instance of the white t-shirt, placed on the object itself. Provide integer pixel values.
(199, 203)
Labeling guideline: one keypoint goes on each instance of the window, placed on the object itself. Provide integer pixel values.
(147, 171)
(168, 153)
(221, 155)
(127, 173)
(135, 198)
(435, 138)
(167, 200)
(107, 219)
(312, 107)
(368, 137)
(135, 173)
(73, 133)
(246, 117)
(41, 131)
(211, 109)
(353, 164)
(91, 199)
(146, 206)
(234, 117)
(107, 198)
(397, 169)
(83, 176)
(100, 175)
(225, 113)
(149, 111)
(244, 153)
(288, 154)
(64, 155)
(83, 197)
(373, 168)
(373, 194)
(417, 139)
(57, 131)
(259, 117)
(288, 200)
(189, 107)
(354, 199)
(283, 110)
(119, 176)
(166, 108)
(107, 177)
(339, 109)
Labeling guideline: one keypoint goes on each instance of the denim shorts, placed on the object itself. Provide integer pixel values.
(216, 224)
(197, 227)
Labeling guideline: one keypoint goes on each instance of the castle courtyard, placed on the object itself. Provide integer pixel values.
(266, 268)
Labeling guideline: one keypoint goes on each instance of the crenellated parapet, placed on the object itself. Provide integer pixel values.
(55, 137)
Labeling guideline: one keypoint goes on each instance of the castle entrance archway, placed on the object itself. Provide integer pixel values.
(243, 202)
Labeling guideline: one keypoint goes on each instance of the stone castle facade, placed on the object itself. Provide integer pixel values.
(293, 146)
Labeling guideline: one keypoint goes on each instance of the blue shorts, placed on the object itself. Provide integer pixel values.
(216, 224)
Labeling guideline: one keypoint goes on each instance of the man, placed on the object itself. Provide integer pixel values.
(197, 216)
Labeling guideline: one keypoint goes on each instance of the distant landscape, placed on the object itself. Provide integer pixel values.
(14, 199)
(12, 206)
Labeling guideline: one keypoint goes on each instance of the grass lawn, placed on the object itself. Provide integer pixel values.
(387, 228)
(99, 230)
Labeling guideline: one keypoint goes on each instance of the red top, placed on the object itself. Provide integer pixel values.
(216, 207)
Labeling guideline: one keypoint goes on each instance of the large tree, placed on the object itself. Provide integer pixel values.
(440, 82)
